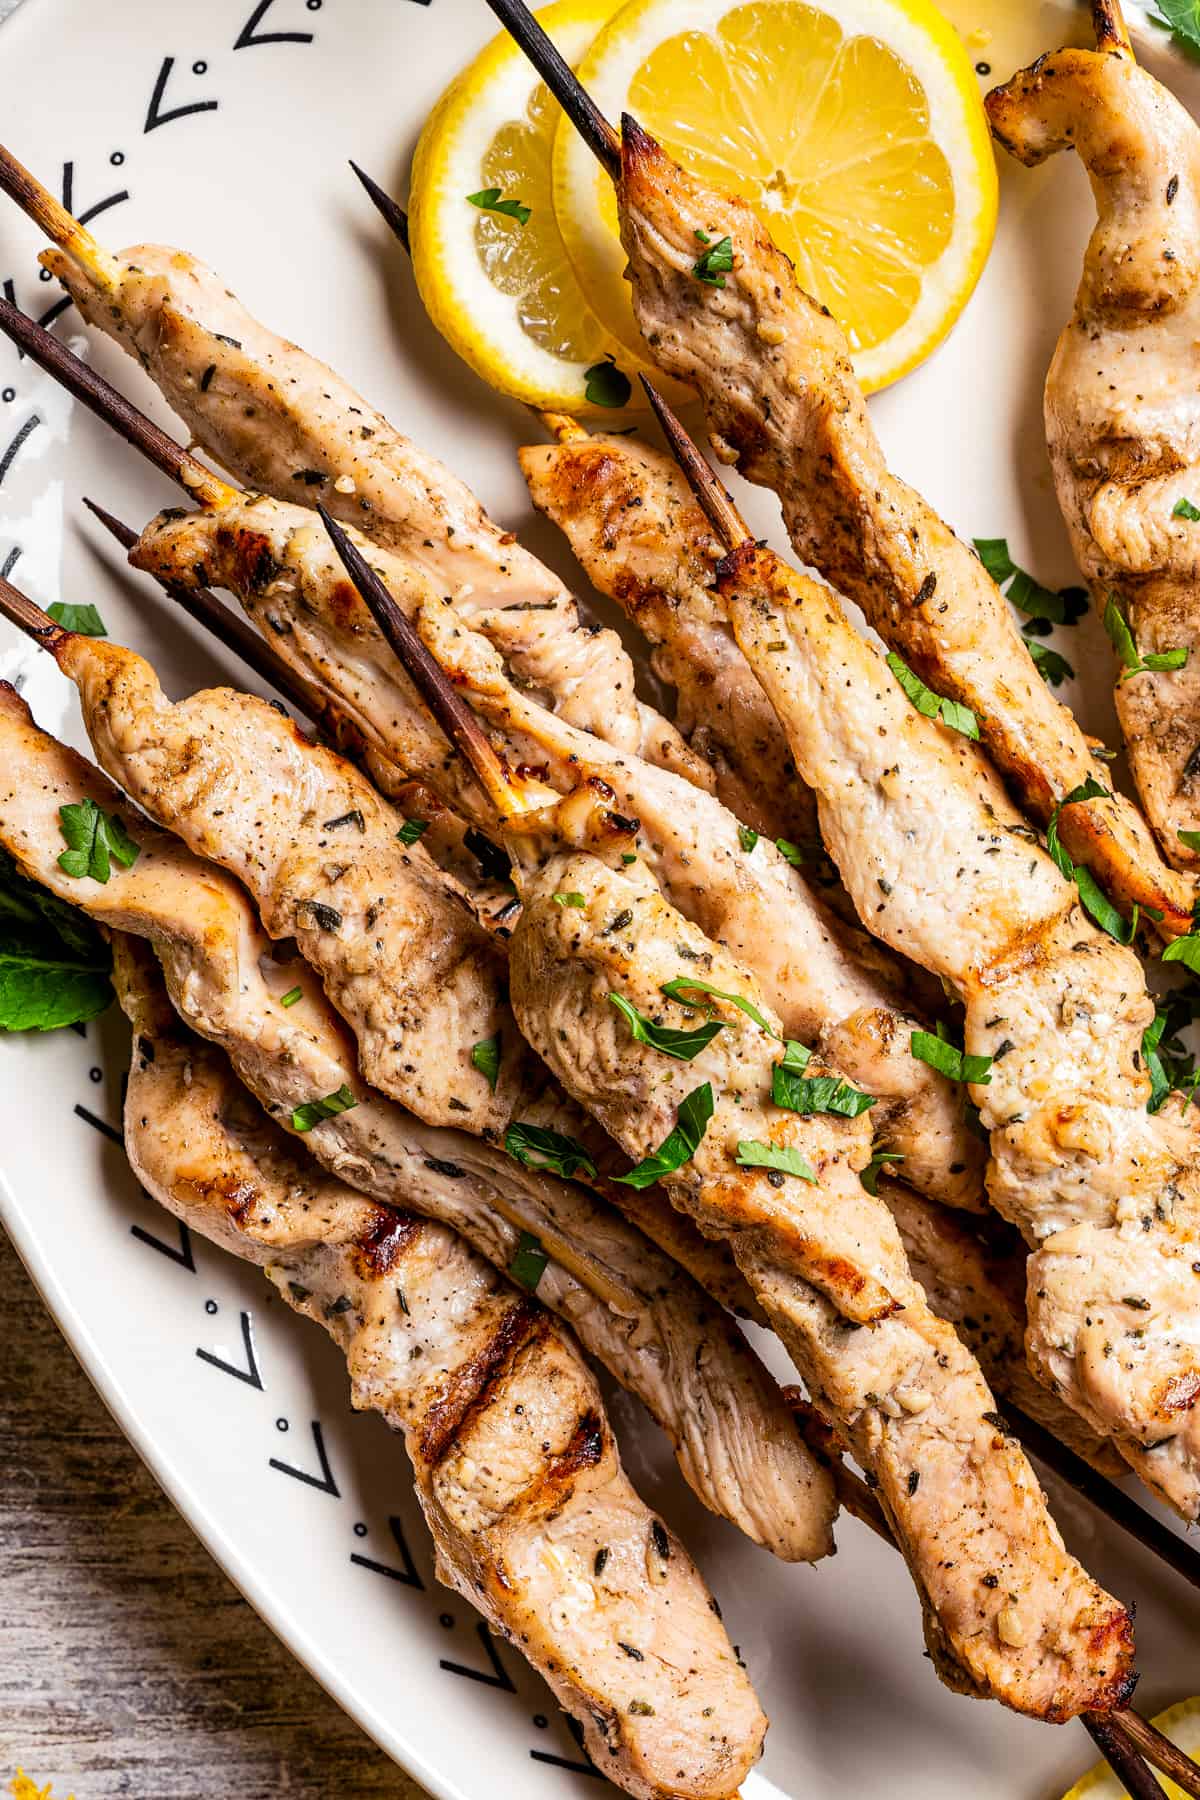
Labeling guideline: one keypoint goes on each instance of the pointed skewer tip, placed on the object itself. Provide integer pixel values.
(717, 505)
(389, 210)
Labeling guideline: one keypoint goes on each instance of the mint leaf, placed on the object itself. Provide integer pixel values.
(536, 1147)
(870, 1175)
(95, 840)
(687, 984)
(1182, 17)
(87, 621)
(528, 1263)
(606, 384)
(1053, 668)
(751, 1154)
(817, 1093)
(948, 1059)
(682, 1045)
(485, 1056)
(715, 263)
(1117, 627)
(680, 1145)
(931, 705)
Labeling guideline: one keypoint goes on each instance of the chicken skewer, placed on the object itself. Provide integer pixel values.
(907, 1397)
(291, 427)
(1122, 419)
(559, 1554)
(774, 374)
(824, 985)
(633, 1309)
(1105, 1192)
(974, 1282)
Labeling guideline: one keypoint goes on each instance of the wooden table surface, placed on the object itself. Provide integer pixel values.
(129, 1664)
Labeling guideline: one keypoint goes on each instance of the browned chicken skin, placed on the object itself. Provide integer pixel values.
(774, 372)
(516, 1467)
(1122, 402)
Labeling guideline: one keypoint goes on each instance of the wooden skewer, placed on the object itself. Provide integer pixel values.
(389, 210)
(1108, 22)
(718, 506)
(448, 707)
(100, 397)
(202, 605)
(562, 81)
(60, 226)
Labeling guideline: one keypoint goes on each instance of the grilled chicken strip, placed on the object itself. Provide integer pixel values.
(287, 425)
(1008, 1613)
(641, 538)
(774, 373)
(828, 981)
(1106, 1193)
(518, 1475)
(632, 1308)
(1122, 411)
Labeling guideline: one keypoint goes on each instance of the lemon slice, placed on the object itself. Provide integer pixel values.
(1180, 1723)
(502, 292)
(853, 126)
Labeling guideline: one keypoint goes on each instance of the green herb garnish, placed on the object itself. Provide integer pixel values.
(931, 705)
(312, 1113)
(801, 1093)
(568, 899)
(1092, 896)
(95, 840)
(715, 263)
(1064, 607)
(488, 200)
(84, 619)
(1183, 509)
(528, 1263)
(412, 829)
(1133, 663)
(870, 1175)
(291, 997)
(680, 1145)
(485, 1056)
(685, 984)
(747, 838)
(682, 1045)
(539, 1148)
(1053, 668)
(1189, 839)
(1182, 18)
(54, 965)
(944, 1056)
(606, 384)
(751, 1154)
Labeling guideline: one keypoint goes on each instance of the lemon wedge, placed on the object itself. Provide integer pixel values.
(853, 126)
(1180, 1723)
(488, 256)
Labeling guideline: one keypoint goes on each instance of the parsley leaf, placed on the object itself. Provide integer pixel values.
(1133, 663)
(682, 1045)
(870, 1175)
(1189, 839)
(536, 1147)
(312, 1113)
(1053, 668)
(715, 263)
(87, 621)
(747, 838)
(751, 1154)
(948, 1059)
(485, 1056)
(802, 1093)
(931, 705)
(606, 384)
(680, 1145)
(95, 840)
(1160, 1086)
(1183, 509)
(685, 984)
(488, 200)
(1182, 17)
(1094, 900)
(528, 1263)
(1065, 607)
(54, 964)
(412, 829)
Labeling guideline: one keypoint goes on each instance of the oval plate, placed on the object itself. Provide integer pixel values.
(226, 129)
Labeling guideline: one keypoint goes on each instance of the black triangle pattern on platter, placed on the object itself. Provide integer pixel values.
(325, 1481)
(251, 1374)
(408, 1574)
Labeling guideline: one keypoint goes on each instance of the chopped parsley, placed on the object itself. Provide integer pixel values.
(801, 1093)
(1092, 896)
(680, 1145)
(312, 1113)
(568, 900)
(1053, 668)
(715, 262)
(1133, 663)
(1189, 839)
(938, 1051)
(686, 984)
(54, 965)
(683, 1045)
(528, 1263)
(291, 997)
(931, 705)
(412, 829)
(747, 838)
(95, 840)
(485, 1056)
(1185, 950)
(1183, 509)
(488, 200)
(83, 619)
(1169, 1064)
(606, 384)
(1064, 607)
(751, 1154)
(870, 1175)
(536, 1147)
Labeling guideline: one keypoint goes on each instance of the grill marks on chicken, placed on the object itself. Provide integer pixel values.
(1008, 1613)
(517, 1472)
(641, 539)
(780, 396)
(1108, 1195)
(287, 425)
(1122, 414)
